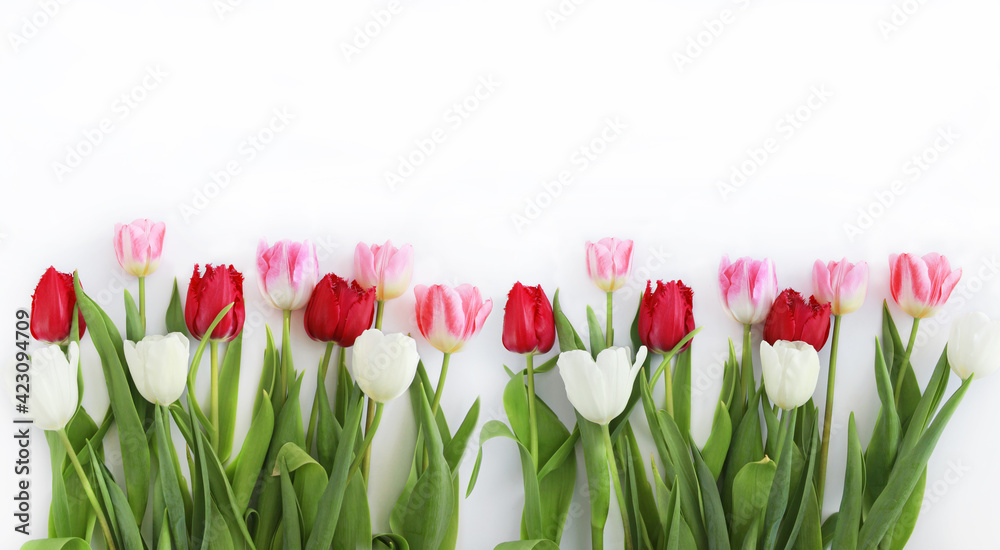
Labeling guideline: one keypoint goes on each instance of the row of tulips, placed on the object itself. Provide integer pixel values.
(297, 483)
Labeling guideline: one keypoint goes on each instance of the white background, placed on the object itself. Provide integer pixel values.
(868, 86)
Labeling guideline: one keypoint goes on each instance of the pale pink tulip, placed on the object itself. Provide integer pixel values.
(287, 273)
(386, 268)
(449, 317)
(841, 284)
(138, 246)
(609, 262)
(748, 288)
(921, 285)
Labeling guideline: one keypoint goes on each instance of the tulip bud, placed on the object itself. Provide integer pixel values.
(841, 284)
(600, 389)
(207, 295)
(138, 246)
(159, 366)
(384, 364)
(528, 324)
(793, 319)
(665, 316)
(385, 268)
(54, 392)
(52, 308)
(974, 346)
(338, 311)
(449, 317)
(287, 273)
(609, 262)
(748, 288)
(790, 371)
(921, 285)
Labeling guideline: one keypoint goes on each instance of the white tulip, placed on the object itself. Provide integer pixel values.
(790, 371)
(599, 389)
(974, 345)
(384, 364)
(159, 366)
(54, 391)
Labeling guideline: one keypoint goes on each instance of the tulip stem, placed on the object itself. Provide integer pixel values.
(379, 307)
(609, 338)
(440, 386)
(668, 382)
(87, 488)
(749, 385)
(374, 410)
(824, 449)
(905, 365)
(782, 432)
(214, 355)
(609, 448)
(366, 445)
(286, 351)
(370, 416)
(142, 302)
(532, 414)
(324, 365)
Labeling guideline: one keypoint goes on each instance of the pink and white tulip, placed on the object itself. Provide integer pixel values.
(287, 273)
(748, 288)
(449, 317)
(921, 285)
(138, 246)
(386, 268)
(841, 284)
(609, 262)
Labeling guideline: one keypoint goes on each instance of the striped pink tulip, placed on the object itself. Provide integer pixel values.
(138, 246)
(449, 317)
(841, 284)
(287, 273)
(921, 285)
(748, 288)
(609, 262)
(385, 268)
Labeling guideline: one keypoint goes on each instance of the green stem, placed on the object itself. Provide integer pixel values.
(668, 382)
(824, 450)
(905, 365)
(286, 351)
(440, 386)
(374, 409)
(142, 302)
(378, 313)
(87, 488)
(746, 367)
(532, 414)
(367, 443)
(618, 485)
(609, 337)
(214, 353)
(782, 432)
(324, 365)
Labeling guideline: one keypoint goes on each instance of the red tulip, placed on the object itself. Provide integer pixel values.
(665, 315)
(528, 324)
(339, 312)
(52, 308)
(794, 320)
(207, 295)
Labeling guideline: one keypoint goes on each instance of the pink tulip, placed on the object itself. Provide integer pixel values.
(448, 317)
(748, 288)
(287, 273)
(841, 284)
(138, 246)
(386, 268)
(921, 285)
(609, 262)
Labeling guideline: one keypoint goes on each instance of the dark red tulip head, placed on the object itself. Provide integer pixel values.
(339, 311)
(793, 319)
(207, 295)
(52, 308)
(666, 315)
(528, 324)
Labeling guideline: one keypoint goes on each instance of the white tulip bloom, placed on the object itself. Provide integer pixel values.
(384, 364)
(974, 346)
(599, 390)
(54, 390)
(159, 366)
(790, 371)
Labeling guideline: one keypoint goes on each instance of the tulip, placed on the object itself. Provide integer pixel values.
(52, 308)
(159, 366)
(384, 364)
(54, 393)
(793, 319)
(138, 246)
(599, 389)
(790, 371)
(208, 295)
(665, 316)
(449, 317)
(386, 268)
(921, 285)
(287, 273)
(528, 324)
(339, 311)
(748, 288)
(974, 346)
(609, 262)
(841, 284)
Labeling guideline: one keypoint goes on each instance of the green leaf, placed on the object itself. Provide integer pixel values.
(229, 391)
(175, 313)
(908, 517)
(56, 544)
(127, 528)
(715, 516)
(597, 342)
(253, 453)
(291, 520)
(538, 544)
(751, 488)
(806, 528)
(568, 338)
(639, 494)
(717, 446)
(777, 499)
(133, 322)
(682, 393)
(287, 428)
(595, 458)
(882, 449)
(265, 385)
(455, 449)
(687, 479)
(532, 516)
(169, 485)
(389, 541)
(927, 406)
(746, 447)
(849, 518)
(547, 365)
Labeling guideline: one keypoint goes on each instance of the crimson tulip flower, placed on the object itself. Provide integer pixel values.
(795, 320)
(339, 311)
(207, 295)
(528, 324)
(52, 308)
(665, 315)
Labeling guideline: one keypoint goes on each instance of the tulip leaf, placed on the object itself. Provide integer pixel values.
(715, 516)
(455, 449)
(389, 541)
(544, 367)
(265, 383)
(568, 338)
(193, 372)
(291, 519)
(134, 330)
(717, 446)
(56, 544)
(287, 428)
(777, 499)
(342, 394)
(807, 512)
(538, 544)
(882, 449)
(229, 390)
(653, 420)
(687, 479)
(126, 528)
(928, 403)
(751, 488)
(597, 341)
(169, 485)
(252, 454)
(849, 517)
(595, 457)
(638, 493)
(328, 429)
(175, 313)
(746, 447)
(532, 516)
(557, 477)
(908, 517)
(682, 392)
